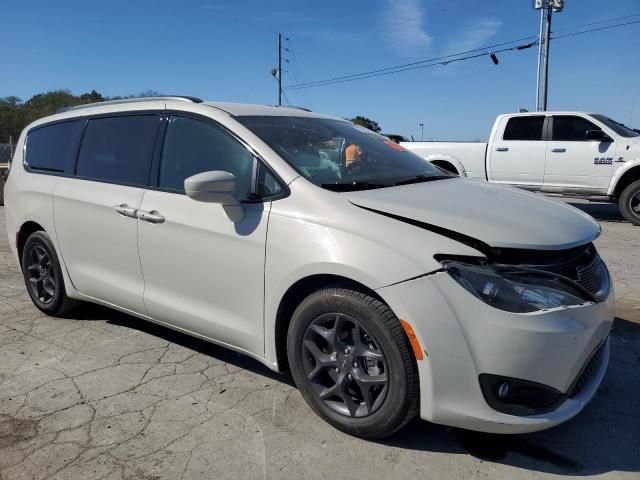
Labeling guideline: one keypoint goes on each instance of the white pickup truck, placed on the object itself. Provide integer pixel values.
(569, 153)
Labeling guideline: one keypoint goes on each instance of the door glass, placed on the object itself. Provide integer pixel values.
(192, 146)
(571, 129)
(118, 149)
(524, 128)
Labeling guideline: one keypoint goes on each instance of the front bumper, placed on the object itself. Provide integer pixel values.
(463, 337)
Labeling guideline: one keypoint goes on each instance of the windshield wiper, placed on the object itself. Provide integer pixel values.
(352, 186)
(422, 178)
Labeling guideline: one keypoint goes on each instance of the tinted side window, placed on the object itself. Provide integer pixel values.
(118, 149)
(53, 148)
(524, 128)
(572, 129)
(192, 146)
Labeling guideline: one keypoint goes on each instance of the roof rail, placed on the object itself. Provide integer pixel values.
(297, 108)
(184, 98)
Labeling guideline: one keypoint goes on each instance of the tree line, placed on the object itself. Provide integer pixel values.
(16, 114)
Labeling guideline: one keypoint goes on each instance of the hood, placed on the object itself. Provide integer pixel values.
(498, 216)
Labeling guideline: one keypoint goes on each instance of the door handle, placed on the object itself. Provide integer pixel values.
(126, 210)
(559, 150)
(502, 149)
(151, 217)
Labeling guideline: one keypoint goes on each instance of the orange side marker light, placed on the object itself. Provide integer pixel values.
(417, 351)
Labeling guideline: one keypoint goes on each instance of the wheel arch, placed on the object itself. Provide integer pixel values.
(25, 231)
(629, 176)
(447, 162)
(298, 292)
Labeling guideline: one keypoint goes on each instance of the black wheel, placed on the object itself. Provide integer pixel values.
(353, 363)
(630, 203)
(43, 276)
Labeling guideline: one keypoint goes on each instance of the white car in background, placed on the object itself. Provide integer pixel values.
(388, 287)
(570, 153)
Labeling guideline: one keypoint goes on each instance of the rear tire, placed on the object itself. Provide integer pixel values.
(43, 276)
(630, 203)
(353, 363)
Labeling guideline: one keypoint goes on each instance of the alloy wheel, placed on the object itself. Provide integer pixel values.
(40, 273)
(634, 204)
(345, 365)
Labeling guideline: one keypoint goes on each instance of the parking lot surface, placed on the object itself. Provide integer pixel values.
(107, 396)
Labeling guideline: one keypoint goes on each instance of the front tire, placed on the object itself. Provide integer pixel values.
(630, 203)
(43, 276)
(352, 362)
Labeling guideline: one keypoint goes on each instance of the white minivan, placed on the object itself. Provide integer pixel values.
(387, 287)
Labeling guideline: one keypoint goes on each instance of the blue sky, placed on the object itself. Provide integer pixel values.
(225, 49)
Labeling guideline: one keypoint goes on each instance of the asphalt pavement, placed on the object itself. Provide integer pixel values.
(107, 396)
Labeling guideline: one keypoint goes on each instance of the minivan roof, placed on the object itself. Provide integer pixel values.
(236, 109)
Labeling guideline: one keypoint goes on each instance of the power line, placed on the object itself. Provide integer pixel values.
(429, 60)
(456, 57)
(296, 72)
(594, 30)
(435, 62)
(602, 21)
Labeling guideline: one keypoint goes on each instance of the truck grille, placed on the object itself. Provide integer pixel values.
(588, 371)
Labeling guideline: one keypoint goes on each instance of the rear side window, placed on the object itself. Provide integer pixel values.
(52, 148)
(524, 128)
(118, 149)
(572, 129)
(192, 146)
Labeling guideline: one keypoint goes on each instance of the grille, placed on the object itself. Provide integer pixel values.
(582, 264)
(592, 276)
(588, 371)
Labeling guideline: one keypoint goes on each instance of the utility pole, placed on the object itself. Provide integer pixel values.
(548, 7)
(279, 69)
(540, 42)
(547, 44)
(421, 131)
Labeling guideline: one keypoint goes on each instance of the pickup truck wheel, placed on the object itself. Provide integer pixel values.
(352, 362)
(630, 203)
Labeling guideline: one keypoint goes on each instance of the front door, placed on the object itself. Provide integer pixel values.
(575, 163)
(518, 157)
(203, 272)
(94, 209)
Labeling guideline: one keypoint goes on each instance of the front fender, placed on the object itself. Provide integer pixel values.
(617, 176)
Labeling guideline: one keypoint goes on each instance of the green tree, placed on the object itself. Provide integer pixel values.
(12, 119)
(366, 122)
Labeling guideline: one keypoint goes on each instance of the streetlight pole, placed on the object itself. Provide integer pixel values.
(421, 132)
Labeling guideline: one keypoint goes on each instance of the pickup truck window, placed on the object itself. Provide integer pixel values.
(571, 129)
(617, 127)
(524, 128)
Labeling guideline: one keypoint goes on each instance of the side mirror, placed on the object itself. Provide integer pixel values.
(598, 135)
(216, 187)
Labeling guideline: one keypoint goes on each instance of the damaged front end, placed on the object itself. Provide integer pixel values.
(524, 281)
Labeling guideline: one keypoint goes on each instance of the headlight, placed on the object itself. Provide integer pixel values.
(514, 290)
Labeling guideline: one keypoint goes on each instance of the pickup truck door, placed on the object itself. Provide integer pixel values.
(516, 154)
(575, 163)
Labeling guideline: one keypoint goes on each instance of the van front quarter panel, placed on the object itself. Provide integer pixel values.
(345, 244)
